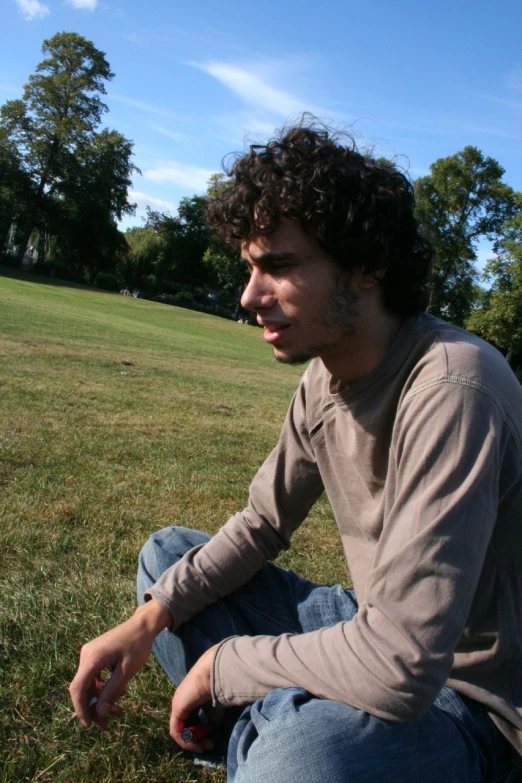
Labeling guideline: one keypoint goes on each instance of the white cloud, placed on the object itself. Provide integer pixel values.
(86, 5)
(256, 126)
(254, 89)
(515, 78)
(181, 174)
(32, 9)
(506, 102)
(170, 134)
(4, 87)
(416, 171)
(143, 201)
(150, 108)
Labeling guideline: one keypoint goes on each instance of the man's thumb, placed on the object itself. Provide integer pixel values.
(102, 708)
(110, 694)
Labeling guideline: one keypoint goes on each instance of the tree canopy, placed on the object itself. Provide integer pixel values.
(498, 316)
(64, 167)
(462, 200)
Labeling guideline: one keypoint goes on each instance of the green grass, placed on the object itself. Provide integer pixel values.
(119, 416)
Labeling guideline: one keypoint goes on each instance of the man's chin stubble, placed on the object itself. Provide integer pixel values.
(298, 358)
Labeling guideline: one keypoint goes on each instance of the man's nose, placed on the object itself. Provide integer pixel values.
(258, 295)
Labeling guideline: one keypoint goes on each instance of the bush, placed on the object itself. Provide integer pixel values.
(56, 269)
(149, 284)
(108, 281)
(10, 260)
(184, 299)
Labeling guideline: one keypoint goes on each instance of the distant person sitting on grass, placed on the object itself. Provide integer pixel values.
(413, 428)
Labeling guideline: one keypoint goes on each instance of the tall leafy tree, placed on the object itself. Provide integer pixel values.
(144, 265)
(15, 190)
(462, 200)
(498, 316)
(90, 199)
(224, 260)
(186, 239)
(59, 112)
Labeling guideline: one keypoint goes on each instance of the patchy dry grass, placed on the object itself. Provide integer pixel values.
(119, 416)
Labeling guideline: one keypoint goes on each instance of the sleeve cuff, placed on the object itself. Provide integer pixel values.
(162, 599)
(216, 686)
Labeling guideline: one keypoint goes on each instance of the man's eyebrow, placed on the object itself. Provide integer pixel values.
(270, 257)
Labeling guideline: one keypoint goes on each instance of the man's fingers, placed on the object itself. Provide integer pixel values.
(200, 745)
(191, 694)
(81, 690)
(111, 691)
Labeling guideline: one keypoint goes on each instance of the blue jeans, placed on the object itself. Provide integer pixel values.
(290, 736)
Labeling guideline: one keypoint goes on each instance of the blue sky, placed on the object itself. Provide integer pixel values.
(199, 79)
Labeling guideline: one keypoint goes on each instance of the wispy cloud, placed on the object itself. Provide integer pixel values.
(507, 103)
(443, 126)
(182, 174)
(254, 89)
(239, 129)
(515, 78)
(169, 133)
(487, 130)
(256, 126)
(32, 9)
(132, 37)
(84, 5)
(143, 201)
(149, 108)
(512, 88)
(10, 88)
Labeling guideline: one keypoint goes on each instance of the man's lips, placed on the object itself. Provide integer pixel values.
(273, 331)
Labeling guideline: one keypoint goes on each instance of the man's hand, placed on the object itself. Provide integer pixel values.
(124, 650)
(193, 692)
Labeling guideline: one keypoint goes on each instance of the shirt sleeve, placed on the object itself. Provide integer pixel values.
(441, 501)
(281, 495)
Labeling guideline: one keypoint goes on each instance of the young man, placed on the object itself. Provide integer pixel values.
(413, 429)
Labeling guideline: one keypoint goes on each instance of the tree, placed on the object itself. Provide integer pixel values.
(230, 272)
(144, 266)
(186, 239)
(224, 260)
(15, 190)
(59, 111)
(89, 200)
(462, 200)
(498, 317)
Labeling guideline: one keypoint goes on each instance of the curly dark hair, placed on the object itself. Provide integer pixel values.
(359, 209)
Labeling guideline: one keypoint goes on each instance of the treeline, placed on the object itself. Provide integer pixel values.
(176, 258)
(64, 187)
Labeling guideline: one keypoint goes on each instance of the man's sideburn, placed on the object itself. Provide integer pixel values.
(339, 314)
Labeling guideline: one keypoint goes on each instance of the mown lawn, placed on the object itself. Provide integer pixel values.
(118, 416)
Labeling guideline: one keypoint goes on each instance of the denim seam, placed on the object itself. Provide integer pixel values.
(264, 614)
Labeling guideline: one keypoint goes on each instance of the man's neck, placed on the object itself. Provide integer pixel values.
(363, 351)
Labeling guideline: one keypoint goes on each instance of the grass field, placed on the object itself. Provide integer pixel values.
(119, 416)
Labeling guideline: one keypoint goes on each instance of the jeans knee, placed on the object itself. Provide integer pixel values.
(148, 556)
(165, 547)
(288, 736)
(291, 736)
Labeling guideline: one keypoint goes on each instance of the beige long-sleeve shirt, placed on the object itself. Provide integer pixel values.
(422, 463)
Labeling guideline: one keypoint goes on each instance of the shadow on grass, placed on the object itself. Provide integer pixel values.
(20, 274)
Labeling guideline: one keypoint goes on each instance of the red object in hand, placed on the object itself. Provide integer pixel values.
(195, 733)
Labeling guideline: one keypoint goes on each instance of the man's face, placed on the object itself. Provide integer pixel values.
(306, 305)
